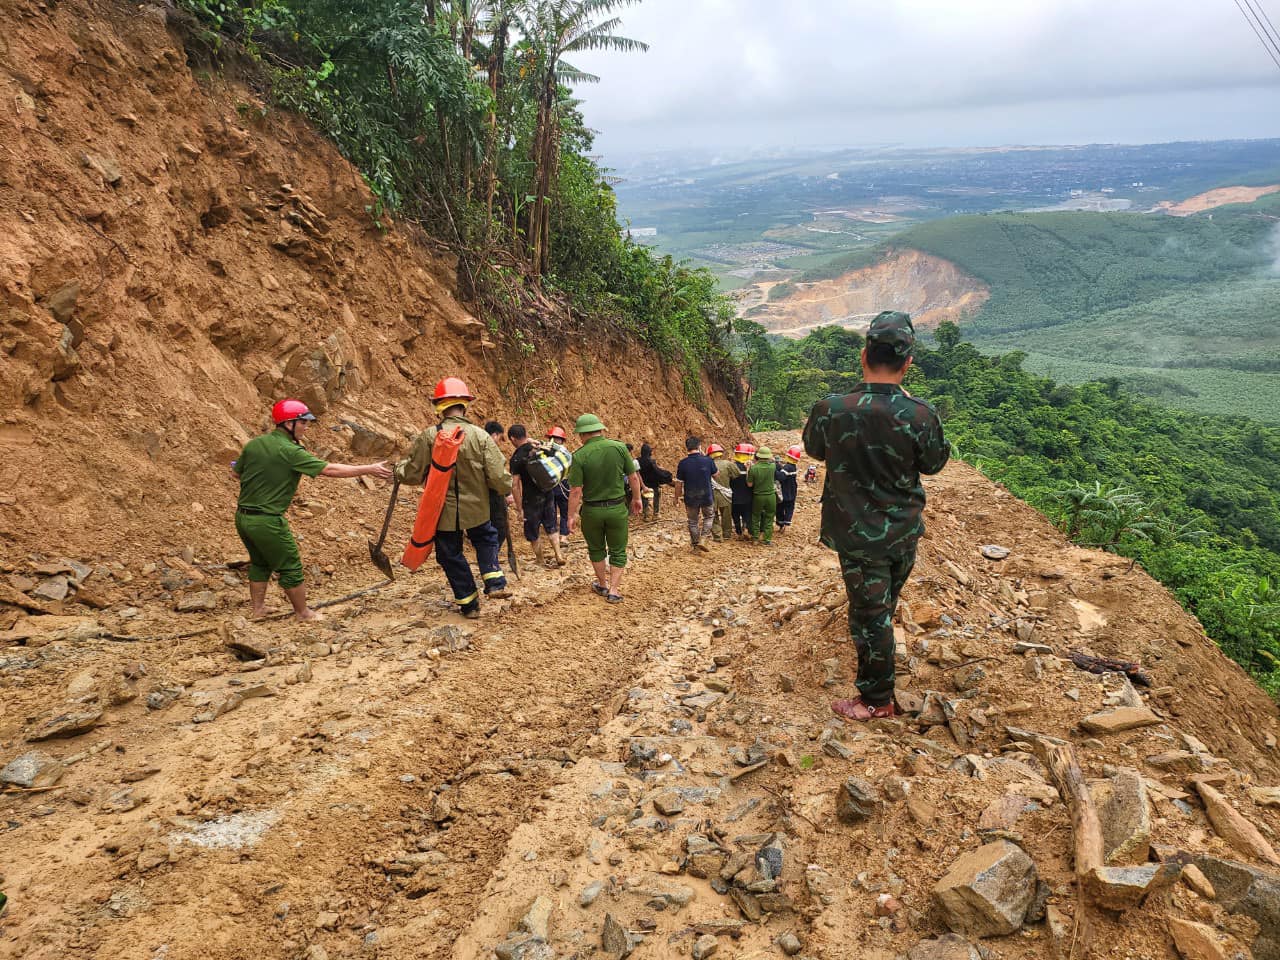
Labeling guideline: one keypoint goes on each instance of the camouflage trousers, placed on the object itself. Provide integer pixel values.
(873, 586)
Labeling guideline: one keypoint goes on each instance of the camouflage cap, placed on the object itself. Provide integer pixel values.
(894, 328)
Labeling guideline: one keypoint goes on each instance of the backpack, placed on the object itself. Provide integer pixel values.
(549, 466)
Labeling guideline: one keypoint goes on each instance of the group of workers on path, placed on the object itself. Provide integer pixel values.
(876, 442)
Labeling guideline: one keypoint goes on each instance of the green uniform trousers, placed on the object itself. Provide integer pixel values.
(271, 547)
(722, 529)
(873, 586)
(606, 530)
(762, 513)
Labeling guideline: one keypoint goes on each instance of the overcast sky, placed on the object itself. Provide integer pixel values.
(732, 73)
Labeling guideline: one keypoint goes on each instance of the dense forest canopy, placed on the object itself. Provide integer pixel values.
(1195, 499)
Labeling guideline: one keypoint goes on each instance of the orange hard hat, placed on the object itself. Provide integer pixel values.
(286, 411)
(795, 453)
(556, 433)
(451, 388)
(714, 449)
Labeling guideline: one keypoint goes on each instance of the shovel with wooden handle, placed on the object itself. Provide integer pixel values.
(380, 559)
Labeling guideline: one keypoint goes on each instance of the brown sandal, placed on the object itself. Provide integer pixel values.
(857, 709)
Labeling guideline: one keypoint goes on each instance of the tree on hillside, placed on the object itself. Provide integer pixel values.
(554, 29)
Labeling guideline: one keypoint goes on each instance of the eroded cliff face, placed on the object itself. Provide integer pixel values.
(175, 257)
(929, 288)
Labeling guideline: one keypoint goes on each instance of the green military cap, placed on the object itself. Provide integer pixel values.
(764, 453)
(894, 328)
(588, 423)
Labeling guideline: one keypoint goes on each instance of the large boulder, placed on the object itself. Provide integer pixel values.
(987, 891)
(1247, 890)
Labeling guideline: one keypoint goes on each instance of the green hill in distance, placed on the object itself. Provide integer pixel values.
(1185, 310)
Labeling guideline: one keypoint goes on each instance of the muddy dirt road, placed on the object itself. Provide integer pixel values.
(566, 778)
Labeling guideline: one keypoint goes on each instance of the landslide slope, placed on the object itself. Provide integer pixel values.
(171, 260)
(930, 288)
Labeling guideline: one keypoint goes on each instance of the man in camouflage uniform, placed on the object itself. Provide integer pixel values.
(876, 441)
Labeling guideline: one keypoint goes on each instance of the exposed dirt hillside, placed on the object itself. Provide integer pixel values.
(929, 288)
(1215, 198)
(169, 266)
(566, 778)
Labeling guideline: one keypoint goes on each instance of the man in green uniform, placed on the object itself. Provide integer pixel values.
(764, 499)
(722, 528)
(268, 469)
(876, 441)
(480, 468)
(601, 471)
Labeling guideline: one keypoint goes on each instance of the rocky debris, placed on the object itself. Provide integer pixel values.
(105, 167)
(993, 551)
(1123, 888)
(1197, 881)
(237, 636)
(62, 304)
(1179, 761)
(53, 589)
(705, 947)
(299, 674)
(1255, 893)
(215, 704)
(202, 601)
(1125, 815)
(857, 801)
(669, 803)
(949, 946)
(1196, 941)
(76, 719)
(615, 939)
(1232, 826)
(987, 891)
(162, 697)
(32, 769)
(789, 943)
(590, 893)
(537, 920)
(1119, 720)
(1024, 647)
(1265, 796)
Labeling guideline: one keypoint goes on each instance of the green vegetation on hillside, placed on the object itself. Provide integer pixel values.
(1179, 309)
(1195, 499)
(461, 118)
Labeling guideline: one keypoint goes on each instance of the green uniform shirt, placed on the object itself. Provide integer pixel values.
(269, 467)
(480, 467)
(600, 467)
(760, 479)
(876, 442)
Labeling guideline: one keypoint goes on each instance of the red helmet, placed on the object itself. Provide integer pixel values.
(714, 449)
(556, 433)
(795, 453)
(745, 448)
(451, 388)
(286, 411)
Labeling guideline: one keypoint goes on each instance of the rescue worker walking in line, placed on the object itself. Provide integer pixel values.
(480, 468)
(693, 485)
(500, 506)
(560, 495)
(787, 477)
(653, 477)
(601, 471)
(736, 474)
(876, 441)
(268, 469)
(722, 525)
(534, 508)
(764, 499)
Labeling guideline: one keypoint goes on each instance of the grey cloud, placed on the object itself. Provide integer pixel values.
(762, 68)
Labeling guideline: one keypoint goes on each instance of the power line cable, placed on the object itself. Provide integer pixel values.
(1272, 50)
(1261, 12)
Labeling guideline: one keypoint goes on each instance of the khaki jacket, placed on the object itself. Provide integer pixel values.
(480, 468)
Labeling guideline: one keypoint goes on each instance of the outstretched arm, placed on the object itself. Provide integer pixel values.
(343, 470)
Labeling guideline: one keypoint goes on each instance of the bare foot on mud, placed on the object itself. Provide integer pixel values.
(310, 616)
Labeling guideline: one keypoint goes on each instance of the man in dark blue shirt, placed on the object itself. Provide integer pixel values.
(693, 485)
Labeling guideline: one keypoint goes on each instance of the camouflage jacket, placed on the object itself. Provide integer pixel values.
(876, 442)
